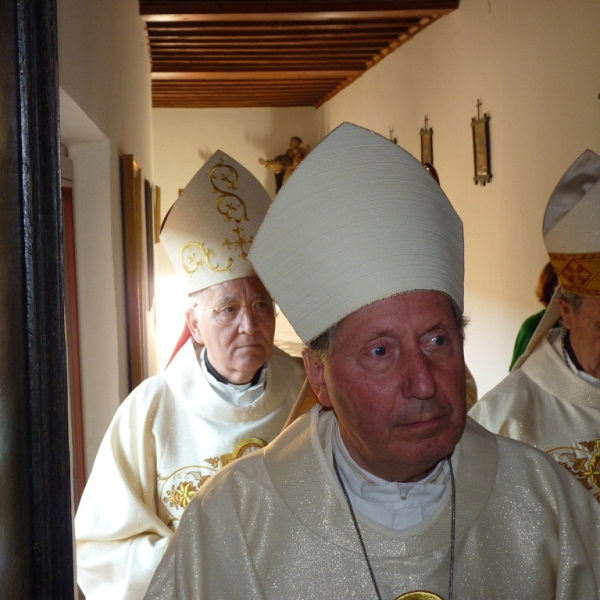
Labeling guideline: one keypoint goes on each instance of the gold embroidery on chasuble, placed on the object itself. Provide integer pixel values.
(582, 461)
(578, 273)
(177, 489)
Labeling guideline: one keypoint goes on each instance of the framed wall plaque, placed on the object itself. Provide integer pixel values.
(426, 144)
(135, 275)
(481, 147)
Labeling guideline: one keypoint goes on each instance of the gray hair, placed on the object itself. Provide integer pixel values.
(574, 300)
(196, 298)
(321, 348)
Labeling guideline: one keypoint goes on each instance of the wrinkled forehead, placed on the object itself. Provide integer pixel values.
(242, 289)
(424, 305)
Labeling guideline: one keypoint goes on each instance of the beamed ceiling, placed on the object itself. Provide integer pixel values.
(236, 53)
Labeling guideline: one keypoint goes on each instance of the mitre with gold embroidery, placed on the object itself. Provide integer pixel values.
(572, 227)
(208, 231)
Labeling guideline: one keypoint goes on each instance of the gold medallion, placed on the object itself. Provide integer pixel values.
(419, 595)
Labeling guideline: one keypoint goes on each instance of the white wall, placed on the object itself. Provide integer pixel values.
(183, 140)
(104, 75)
(535, 65)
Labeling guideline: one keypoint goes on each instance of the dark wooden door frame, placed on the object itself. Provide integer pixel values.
(50, 506)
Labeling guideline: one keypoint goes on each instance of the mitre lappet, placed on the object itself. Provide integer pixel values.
(209, 230)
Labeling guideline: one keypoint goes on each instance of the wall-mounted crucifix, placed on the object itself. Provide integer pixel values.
(481, 146)
(427, 144)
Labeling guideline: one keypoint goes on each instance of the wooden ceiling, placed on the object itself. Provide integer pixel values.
(236, 53)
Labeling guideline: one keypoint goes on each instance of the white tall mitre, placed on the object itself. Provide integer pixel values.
(360, 220)
(209, 230)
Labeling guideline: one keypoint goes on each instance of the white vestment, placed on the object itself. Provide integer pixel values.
(545, 404)
(276, 526)
(167, 438)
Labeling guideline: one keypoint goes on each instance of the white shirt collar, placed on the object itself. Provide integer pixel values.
(243, 394)
(392, 504)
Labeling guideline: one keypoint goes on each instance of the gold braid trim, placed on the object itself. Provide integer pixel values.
(578, 273)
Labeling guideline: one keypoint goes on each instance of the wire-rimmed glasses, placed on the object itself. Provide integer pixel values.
(230, 313)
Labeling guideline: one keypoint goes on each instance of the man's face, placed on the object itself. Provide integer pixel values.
(235, 351)
(294, 143)
(396, 381)
(584, 323)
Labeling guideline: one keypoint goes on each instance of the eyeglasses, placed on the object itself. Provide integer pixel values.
(230, 313)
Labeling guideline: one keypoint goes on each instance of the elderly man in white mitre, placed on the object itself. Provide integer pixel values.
(386, 489)
(227, 392)
(551, 399)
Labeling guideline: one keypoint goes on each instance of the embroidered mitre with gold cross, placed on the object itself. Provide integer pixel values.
(209, 230)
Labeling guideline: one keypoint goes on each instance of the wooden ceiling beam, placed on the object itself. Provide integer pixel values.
(282, 17)
(228, 63)
(257, 82)
(297, 67)
(266, 75)
(286, 10)
(277, 41)
(358, 63)
(259, 54)
(289, 99)
(245, 90)
(237, 105)
(244, 86)
(248, 82)
(156, 30)
(260, 48)
(265, 94)
(218, 54)
(254, 95)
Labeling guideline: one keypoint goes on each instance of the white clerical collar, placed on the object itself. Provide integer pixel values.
(392, 504)
(243, 394)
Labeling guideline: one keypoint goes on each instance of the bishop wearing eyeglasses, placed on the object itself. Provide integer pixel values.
(227, 392)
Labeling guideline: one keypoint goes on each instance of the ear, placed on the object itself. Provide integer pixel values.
(192, 323)
(315, 371)
(566, 312)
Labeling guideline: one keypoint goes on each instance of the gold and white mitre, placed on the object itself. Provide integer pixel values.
(572, 227)
(359, 220)
(571, 232)
(209, 230)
